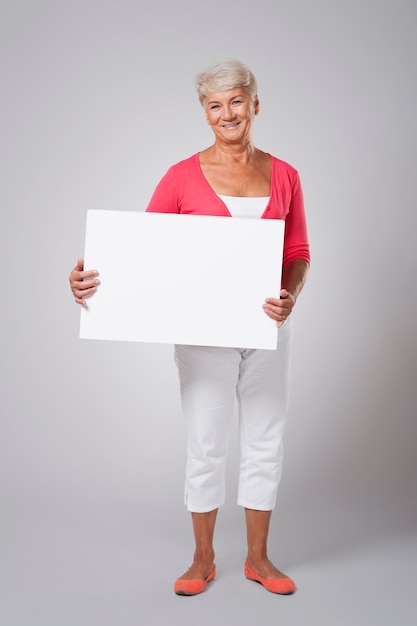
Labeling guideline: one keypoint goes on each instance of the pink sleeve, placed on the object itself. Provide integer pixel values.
(165, 198)
(296, 244)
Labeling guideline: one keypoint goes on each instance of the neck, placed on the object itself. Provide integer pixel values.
(242, 153)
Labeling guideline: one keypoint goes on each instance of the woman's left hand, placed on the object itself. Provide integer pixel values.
(280, 309)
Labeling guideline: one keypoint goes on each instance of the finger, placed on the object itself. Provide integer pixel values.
(277, 317)
(272, 301)
(84, 293)
(85, 286)
(87, 274)
(281, 321)
(278, 314)
(283, 294)
(79, 280)
(280, 309)
(80, 265)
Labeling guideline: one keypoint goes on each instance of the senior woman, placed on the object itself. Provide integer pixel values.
(233, 178)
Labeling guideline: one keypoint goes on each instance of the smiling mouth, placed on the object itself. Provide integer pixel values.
(231, 125)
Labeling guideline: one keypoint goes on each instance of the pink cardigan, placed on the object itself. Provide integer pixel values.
(184, 189)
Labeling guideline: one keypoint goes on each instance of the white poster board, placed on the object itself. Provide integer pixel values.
(185, 279)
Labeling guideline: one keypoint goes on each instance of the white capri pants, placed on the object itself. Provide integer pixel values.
(210, 379)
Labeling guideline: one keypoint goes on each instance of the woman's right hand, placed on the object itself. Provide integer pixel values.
(81, 287)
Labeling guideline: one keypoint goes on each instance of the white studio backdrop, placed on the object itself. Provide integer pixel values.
(97, 102)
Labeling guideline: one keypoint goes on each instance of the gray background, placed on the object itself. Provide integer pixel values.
(97, 100)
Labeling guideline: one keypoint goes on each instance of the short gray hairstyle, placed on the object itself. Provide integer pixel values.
(223, 76)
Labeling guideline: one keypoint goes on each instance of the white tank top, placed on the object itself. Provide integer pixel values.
(245, 207)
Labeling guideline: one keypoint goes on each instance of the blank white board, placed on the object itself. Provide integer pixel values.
(184, 279)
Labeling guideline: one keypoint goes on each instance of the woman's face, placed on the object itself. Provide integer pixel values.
(230, 114)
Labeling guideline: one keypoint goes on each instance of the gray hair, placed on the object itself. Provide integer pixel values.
(224, 76)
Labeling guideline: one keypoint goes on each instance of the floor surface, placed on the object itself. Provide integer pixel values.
(74, 567)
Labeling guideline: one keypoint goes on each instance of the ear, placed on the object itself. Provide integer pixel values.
(256, 105)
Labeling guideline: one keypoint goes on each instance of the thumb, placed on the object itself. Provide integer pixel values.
(80, 265)
(283, 294)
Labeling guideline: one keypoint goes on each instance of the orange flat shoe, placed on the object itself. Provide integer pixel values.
(183, 587)
(284, 585)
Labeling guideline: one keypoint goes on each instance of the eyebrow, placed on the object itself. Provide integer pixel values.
(238, 95)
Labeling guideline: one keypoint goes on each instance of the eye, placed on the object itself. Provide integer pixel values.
(237, 102)
(214, 106)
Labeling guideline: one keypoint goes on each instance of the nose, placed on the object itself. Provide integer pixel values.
(228, 113)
